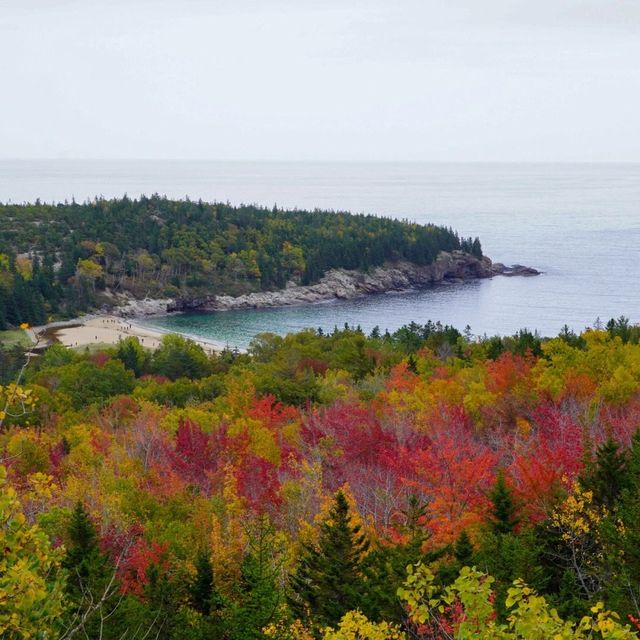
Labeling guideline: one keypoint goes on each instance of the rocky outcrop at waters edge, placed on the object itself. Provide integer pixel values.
(344, 284)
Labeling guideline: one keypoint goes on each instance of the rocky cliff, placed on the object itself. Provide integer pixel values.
(344, 284)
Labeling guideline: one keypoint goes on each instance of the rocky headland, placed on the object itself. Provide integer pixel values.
(344, 284)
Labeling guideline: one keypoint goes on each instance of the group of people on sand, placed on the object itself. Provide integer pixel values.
(124, 327)
(120, 328)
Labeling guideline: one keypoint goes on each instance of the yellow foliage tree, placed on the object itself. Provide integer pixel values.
(89, 271)
(15, 402)
(356, 626)
(31, 585)
(530, 617)
(228, 534)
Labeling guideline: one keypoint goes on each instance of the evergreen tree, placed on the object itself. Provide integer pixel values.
(503, 512)
(83, 556)
(67, 268)
(622, 543)
(4, 295)
(502, 551)
(463, 550)
(258, 594)
(202, 587)
(162, 611)
(257, 601)
(329, 580)
(91, 587)
(606, 476)
(632, 485)
(385, 567)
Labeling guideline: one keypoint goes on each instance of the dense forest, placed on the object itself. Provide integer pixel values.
(422, 484)
(65, 258)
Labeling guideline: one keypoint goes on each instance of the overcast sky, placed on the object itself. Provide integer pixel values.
(447, 80)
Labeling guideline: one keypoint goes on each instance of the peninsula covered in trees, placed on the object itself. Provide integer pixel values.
(61, 259)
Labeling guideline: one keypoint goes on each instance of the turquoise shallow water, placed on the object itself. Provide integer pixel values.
(580, 224)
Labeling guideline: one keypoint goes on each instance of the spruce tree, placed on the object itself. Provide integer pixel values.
(623, 542)
(632, 486)
(202, 587)
(385, 567)
(503, 512)
(90, 585)
(463, 550)
(256, 597)
(83, 556)
(606, 476)
(162, 615)
(3, 308)
(329, 580)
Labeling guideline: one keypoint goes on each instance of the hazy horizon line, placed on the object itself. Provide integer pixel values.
(322, 161)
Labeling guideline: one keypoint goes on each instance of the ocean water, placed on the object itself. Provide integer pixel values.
(578, 223)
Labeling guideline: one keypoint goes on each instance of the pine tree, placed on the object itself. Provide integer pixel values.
(623, 542)
(385, 567)
(257, 596)
(162, 615)
(606, 476)
(83, 555)
(3, 308)
(202, 587)
(90, 585)
(633, 466)
(463, 550)
(504, 519)
(329, 582)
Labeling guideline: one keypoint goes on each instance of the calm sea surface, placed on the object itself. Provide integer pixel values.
(580, 224)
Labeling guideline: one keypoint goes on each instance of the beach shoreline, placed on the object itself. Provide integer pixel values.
(107, 329)
(113, 324)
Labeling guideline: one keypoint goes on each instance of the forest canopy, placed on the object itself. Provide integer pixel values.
(336, 486)
(59, 259)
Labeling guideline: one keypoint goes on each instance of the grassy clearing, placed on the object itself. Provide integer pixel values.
(15, 337)
(93, 348)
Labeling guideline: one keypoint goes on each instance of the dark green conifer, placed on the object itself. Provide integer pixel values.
(463, 550)
(329, 582)
(606, 476)
(83, 560)
(91, 586)
(202, 587)
(256, 597)
(385, 567)
(633, 465)
(504, 519)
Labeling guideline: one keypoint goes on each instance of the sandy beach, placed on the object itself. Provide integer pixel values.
(106, 330)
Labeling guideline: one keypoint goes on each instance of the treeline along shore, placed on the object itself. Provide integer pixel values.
(62, 260)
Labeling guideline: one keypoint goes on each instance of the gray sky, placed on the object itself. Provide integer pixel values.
(448, 80)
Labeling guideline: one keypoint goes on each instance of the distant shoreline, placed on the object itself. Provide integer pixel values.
(344, 284)
(111, 326)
